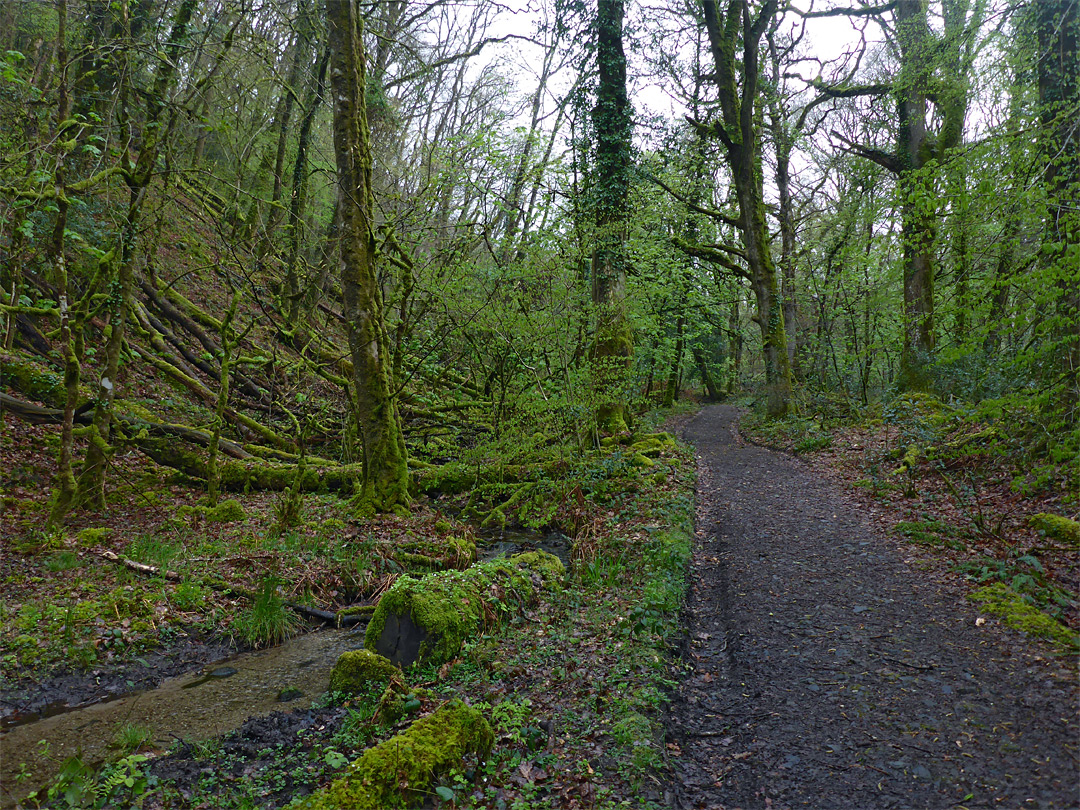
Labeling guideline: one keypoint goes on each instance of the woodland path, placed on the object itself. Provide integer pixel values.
(826, 672)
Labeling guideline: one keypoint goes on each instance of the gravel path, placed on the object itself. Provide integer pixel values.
(826, 672)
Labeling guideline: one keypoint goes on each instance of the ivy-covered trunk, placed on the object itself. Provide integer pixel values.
(65, 476)
(1058, 34)
(917, 201)
(386, 472)
(739, 130)
(614, 345)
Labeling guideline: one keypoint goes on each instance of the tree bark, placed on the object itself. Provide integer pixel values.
(92, 478)
(738, 129)
(613, 347)
(386, 472)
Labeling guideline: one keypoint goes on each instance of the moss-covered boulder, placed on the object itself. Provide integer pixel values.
(1058, 527)
(428, 619)
(358, 670)
(400, 771)
(652, 444)
(228, 511)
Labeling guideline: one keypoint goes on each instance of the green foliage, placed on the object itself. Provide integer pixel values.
(358, 671)
(396, 772)
(267, 621)
(63, 561)
(1025, 576)
(131, 737)
(123, 783)
(931, 533)
(1000, 600)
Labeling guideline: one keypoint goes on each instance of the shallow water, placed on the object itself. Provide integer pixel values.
(492, 543)
(188, 707)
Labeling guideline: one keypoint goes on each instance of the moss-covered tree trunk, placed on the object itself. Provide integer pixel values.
(736, 77)
(92, 478)
(917, 204)
(228, 343)
(614, 345)
(65, 476)
(386, 472)
(1058, 34)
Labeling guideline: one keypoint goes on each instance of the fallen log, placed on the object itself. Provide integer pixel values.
(131, 426)
(427, 620)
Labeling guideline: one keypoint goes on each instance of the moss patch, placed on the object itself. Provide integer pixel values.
(652, 444)
(1057, 527)
(400, 771)
(226, 512)
(33, 380)
(89, 538)
(1002, 601)
(357, 670)
(440, 611)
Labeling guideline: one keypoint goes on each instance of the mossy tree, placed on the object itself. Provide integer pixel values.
(386, 472)
(929, 87)
(138, 177)
(1057, 27)
(735, 35)
(613, 348)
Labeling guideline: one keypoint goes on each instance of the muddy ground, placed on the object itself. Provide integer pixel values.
(29, 699)
(826, 671)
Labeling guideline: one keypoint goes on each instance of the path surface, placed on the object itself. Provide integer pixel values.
(827, 673)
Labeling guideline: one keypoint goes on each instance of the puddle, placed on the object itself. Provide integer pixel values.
(492, 543)
(196, 706)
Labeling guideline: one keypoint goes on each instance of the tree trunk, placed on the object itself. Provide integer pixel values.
(65, 476)
(671, 393)
(1058, 33)
(92, 477)
(739, 130)
(386, 472)
(614, 345)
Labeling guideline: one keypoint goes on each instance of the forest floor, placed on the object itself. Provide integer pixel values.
(830, 665)
(573, 687)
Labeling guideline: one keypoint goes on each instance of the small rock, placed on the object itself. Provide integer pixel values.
(289, 693)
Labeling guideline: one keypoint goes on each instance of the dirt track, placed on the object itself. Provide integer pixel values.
(828, 673)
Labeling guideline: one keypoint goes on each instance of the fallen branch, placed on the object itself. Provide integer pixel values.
(338, 619)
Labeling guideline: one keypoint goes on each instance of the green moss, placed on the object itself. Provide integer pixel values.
(332, 526)
(33, 380)
(1000, 600)
(452, 606)
(640, 460)
(496, 518)
(88, 538)
(226, 512)
(398, 701)
(400, 771)
(357, 670)
(652, 444)
(1057, 527)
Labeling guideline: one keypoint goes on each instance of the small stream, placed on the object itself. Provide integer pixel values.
(210, 702)
(196, 706)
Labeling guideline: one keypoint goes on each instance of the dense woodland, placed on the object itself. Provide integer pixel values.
(397, 251)
(431, 220)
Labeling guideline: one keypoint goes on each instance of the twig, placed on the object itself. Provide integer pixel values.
(906, 664)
